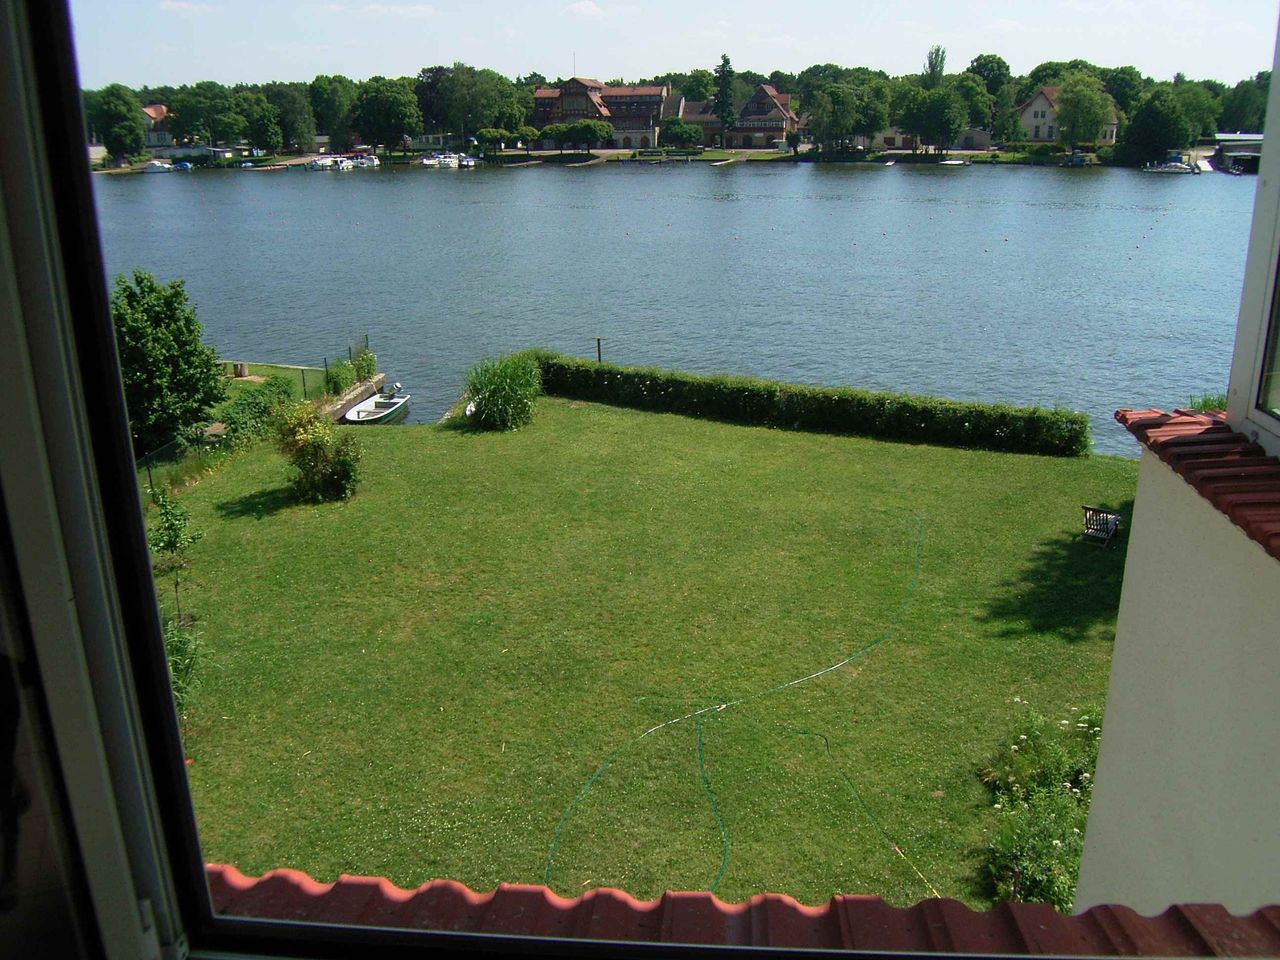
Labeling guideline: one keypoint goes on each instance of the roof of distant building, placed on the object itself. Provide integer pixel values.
(766, 920)
(156, 111)
(1051, 93)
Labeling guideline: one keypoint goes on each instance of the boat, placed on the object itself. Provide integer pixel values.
(890, 163)
(467, 163)
(344, 164)
(431, 161)
(954, 163)
(158, 166)
(388, 405)
(320, 163)
(369, 161)
(182, 165)
(1176, 167)
(448, 161)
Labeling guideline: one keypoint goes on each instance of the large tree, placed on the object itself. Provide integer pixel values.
(944, 117)
(993, 70)
(1125, 84)
(700, 86)
(262, 122)
(207, 112)
(472, 99)
(293, 108)
(332, 98)
(679, 133)
(385, 111)
(1199, 106)
(935, 68)
(972, 91)
(726, 112)
(171, 378)
(117, 119)
(1157, 125)
(1244, 106)
(1083, 109)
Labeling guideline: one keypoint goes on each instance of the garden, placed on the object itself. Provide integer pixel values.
(636, 649)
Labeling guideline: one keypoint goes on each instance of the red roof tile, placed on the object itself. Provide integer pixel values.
(773, 920)
(1226, 468)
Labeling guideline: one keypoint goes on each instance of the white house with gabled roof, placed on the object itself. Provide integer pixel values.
(1039, 117)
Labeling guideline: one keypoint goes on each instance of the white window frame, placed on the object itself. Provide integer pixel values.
(1258, 299)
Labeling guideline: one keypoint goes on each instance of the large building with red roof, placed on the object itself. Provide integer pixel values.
(766, 117)
(635, 112)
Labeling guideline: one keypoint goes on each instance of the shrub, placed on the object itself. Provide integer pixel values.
(250, 415)
(1208, 401)
(182, 648)
(1042, 781)
(502, 392)
(837, 410)
(326, 463)
(340, 377)
(365, 364)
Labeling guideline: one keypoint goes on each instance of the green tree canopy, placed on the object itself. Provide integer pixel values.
(1125, 84)
(992, 69)
(1244, 106)
(589, 132)
(1083, 109)
(1158, 125)
(492, 138)
(527, 135)
(171, 378)
(332, 98)
(557, 133)
(426, 86)
(680, 133)
(726, 111)
(909, 110)
(700, 86)
(117, 118)
(292, 102)
(935, 68)
(262, 127)
(472, 99)
(944, 116)
(1200, 107)
(972, 91)
(385, 111)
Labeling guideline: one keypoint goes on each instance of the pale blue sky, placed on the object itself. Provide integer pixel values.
(180, 41)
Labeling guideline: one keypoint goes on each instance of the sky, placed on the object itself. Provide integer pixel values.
(139, 42)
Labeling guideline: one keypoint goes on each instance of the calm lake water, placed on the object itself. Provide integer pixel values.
(1090, 289)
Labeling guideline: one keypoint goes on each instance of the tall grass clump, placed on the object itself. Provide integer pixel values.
(502, 392)
(182, 648)
(365, 364)
(1042, 781)
(1205, 402)
(326, 463)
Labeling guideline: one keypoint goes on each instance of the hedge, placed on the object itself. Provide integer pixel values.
(889, 416)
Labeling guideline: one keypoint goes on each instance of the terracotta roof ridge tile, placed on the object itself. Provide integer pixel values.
(851, 922)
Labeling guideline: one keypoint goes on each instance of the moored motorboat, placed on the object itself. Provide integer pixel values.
(158, 166)
(431, 161)
(386, 406)
(448, 161)
(466, 163)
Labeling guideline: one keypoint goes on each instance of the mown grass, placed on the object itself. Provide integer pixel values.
(312, 377)
(417, 683)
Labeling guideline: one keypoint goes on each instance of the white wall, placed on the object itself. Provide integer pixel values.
(1186, 807)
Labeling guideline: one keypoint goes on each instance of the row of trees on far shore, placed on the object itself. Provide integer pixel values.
(841, 103)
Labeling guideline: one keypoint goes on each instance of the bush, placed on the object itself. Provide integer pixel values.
(837, 410)
(182, 648)
(365, 364)
(340, 377)
(1042, 781)
(250, 416)
(502, 392)
(326, 464)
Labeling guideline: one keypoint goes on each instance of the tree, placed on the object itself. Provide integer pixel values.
(171, 378)
(943, 118)
(492, 138)
(117, 118)
(700, 86)
(1083, 109)
(793, 141)
(332, 98)
(1124, 84)
(1244, 106)
(293, 106)
(385, 111)
(527, 135)
(557, 133)
(262, 128)
(1157, 126)
(1200, 107)
(472, 99)
(909, 109)
(679, 133)
(935, 68)
(589, 132)
(726, 112)
(972, 91)
(992, 69)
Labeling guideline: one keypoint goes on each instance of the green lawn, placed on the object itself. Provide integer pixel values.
(311, 377)
(419, 682)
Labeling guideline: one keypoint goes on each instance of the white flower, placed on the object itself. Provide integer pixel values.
(999, 807)
(1067, 786)
(1057, 843)
(1022, 737)
(1074, 709)
(1017, 699)
(1084, 776)
(1014, 747)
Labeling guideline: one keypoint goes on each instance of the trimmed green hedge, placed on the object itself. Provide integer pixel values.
(890, 416)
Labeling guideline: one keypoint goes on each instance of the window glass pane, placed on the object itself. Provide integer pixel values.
(1269, 386)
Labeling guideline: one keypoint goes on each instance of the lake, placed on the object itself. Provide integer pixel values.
(1089, 289)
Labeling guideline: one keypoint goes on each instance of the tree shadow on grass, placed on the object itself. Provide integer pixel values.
(262, 503)
(1068, 586)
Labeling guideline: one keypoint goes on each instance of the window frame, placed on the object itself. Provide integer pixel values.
(1259, 316)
